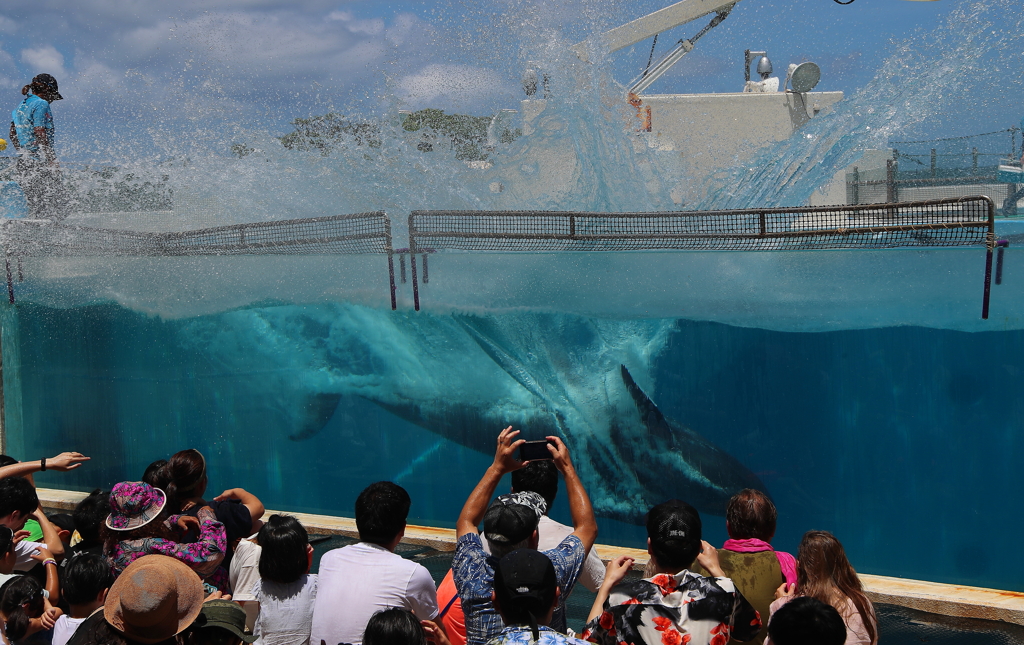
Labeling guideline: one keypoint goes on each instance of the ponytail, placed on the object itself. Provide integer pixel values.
(24, 90)
(21, 601)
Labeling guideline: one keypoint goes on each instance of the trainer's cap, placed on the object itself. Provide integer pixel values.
(51, 84)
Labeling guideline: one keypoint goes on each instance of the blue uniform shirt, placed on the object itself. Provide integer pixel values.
(33, 113)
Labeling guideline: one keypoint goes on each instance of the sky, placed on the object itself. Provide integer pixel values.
(134, 70)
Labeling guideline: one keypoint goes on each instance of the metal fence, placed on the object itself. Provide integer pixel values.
(938, 169)
(338, 234)
(968, 221)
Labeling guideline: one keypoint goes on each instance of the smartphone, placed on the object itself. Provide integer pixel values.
(533, 450)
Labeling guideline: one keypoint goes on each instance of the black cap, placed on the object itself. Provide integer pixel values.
(50, 83)
(526, 574)
(513, 518)
(674, 528)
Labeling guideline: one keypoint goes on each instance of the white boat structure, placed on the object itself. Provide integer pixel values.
(711, 131)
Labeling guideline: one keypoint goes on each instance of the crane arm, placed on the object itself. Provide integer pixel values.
(654, 23)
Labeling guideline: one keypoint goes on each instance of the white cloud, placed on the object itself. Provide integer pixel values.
(458, 83)
(44, 59)
(7, 26)
(371, 27)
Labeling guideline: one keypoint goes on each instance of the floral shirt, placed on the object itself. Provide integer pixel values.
(203, 556)
(680, 609)
(523, 635)
(473, 571)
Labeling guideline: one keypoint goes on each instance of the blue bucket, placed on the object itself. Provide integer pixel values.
(12, 200)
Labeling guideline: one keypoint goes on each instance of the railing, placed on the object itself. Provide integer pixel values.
(338, 234)
(968, 221)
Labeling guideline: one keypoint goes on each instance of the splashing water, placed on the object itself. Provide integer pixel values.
(933, 82)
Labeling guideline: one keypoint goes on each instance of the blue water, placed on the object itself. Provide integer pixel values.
(903, 441)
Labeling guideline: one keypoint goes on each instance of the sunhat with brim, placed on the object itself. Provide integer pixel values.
(134, 504)
(155, 598)
(224, 614)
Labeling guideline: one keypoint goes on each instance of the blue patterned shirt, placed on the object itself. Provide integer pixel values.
(473, 571)
(522, 635)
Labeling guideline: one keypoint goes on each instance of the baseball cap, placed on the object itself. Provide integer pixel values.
(51, 84)
(525, 584)
(512, 518)
(674, 528)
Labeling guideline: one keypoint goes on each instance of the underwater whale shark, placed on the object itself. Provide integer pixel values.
(464, 377)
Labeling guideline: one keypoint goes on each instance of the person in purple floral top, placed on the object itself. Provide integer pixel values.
(139, 525)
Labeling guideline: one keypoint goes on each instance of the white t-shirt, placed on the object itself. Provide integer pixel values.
(23, 552)
(286, 611)
(358, 580)
(65, 629)
(245, 570)
(550, 534)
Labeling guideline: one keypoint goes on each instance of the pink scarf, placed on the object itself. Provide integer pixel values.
(786, 561)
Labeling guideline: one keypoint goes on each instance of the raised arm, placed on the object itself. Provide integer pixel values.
(50, 564)
(51, 535)
(504, 462)
(63, 462)
(249, 501)
(583, 521)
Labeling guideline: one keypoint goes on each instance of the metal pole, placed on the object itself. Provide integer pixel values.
(890, 181)
(391, 279)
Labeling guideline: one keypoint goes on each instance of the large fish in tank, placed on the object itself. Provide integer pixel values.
(464, 377)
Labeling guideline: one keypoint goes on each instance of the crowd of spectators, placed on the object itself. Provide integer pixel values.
(154, 562)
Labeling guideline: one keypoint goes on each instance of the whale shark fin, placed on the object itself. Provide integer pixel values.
(317, 412)
(512, 366)
(651, 416)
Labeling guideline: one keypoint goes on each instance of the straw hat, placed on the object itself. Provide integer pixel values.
(134, 504)
(155, 598)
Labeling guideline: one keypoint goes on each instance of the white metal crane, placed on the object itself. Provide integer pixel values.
(653, 24)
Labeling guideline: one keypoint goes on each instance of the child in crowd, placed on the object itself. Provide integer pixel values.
(807, 621)
(65, 525)
(398, 626)
(26, 610)
(89, 515)
(824, 573)
(152, 474)
(286, 590)
(87, 579)
(9, 557)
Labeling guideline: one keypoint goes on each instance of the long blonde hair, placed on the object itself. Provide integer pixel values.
(824, 573)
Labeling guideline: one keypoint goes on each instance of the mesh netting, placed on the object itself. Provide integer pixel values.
(950, 222)
(339, 234)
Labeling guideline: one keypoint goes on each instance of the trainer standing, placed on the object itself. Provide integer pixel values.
(32, 135)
